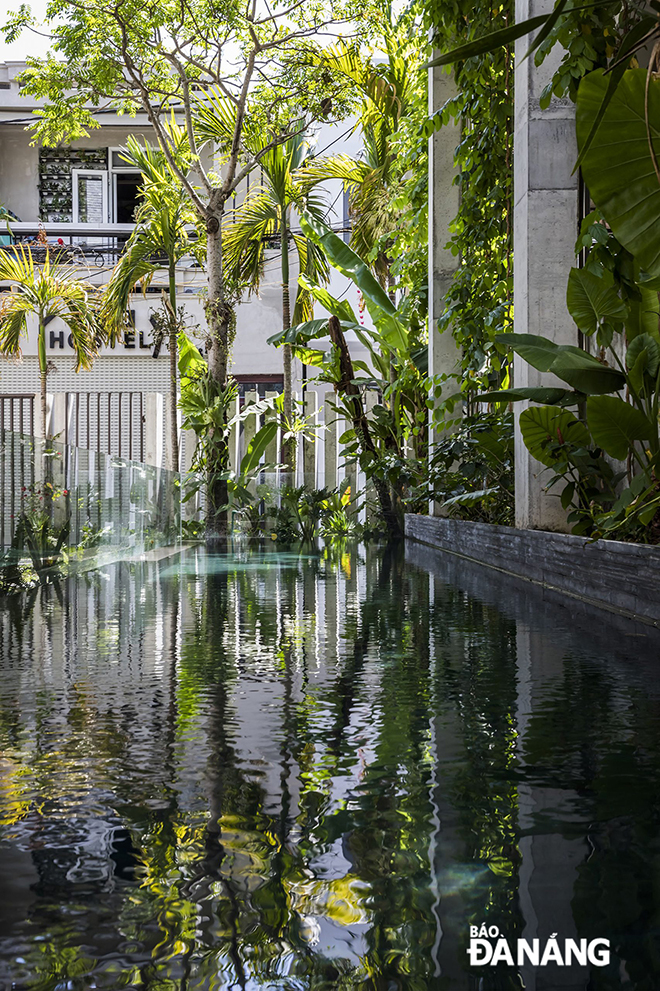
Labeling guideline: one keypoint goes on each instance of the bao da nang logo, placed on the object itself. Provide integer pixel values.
(488, 948)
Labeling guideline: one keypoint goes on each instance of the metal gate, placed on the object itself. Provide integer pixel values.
(17, 413)
(107, 422)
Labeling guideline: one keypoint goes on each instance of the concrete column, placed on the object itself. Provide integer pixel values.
(544, 233)
(154, 410)
(330, 441)
(444, 201)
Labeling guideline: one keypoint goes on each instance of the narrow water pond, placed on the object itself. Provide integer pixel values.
(307, 772)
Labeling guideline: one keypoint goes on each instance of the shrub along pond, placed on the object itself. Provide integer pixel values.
(309, 771)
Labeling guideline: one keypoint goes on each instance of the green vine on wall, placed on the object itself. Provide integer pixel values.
(479, 302)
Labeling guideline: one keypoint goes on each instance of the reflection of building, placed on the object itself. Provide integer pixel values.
(86, 196)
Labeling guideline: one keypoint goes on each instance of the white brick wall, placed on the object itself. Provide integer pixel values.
(120, 374)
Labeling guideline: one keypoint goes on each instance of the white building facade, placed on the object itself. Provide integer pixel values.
(84, 195)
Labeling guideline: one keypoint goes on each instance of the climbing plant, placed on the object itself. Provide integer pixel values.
(478, 304)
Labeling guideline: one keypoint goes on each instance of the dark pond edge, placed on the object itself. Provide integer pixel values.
(611, 575)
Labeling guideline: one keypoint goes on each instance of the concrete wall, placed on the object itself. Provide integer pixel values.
(615, 576)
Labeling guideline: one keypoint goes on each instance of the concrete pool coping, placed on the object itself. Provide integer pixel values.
(619, 577)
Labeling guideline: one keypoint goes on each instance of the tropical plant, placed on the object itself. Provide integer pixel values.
(268, 212)
(471, 469)
(38, 531)
(378, 441)
(45, 292)
(153, 60)
(392, 89)
(161, 238)
(206, 411)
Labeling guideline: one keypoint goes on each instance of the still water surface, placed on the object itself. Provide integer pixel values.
(307, 772)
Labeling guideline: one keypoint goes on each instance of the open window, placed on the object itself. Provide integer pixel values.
(90, 196)
(126, 185)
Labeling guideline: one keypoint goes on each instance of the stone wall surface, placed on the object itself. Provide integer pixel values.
(616, 576)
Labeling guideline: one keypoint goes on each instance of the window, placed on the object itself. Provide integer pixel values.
(90, 197)
(126, 183)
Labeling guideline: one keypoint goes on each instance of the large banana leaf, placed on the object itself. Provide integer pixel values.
(591, 300)
(382, 310)
(576, 367)
(615, 425)
(617, 166)
(548, 395)
(540, 425)
(257, 446)
(643, 314)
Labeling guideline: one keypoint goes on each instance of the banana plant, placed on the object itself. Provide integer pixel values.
(626, 429)
(206, 411)
(378, 441)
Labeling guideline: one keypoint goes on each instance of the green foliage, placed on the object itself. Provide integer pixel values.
(399, 421)
(300, 513)
(46, 291)
(471, 469)
(479, 300)
(627, 191)
(208, 411)
(42, 526)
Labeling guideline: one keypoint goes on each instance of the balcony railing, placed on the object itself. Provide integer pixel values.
(88, 245)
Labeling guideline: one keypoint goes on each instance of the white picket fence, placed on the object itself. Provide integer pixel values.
(320, 458)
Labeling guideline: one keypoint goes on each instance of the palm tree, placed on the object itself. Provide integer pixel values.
(45, 291)
(388, 89)
(267, 214)
(161, 234)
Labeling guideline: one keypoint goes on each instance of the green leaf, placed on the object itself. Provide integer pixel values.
(567, 495)
(591, 300)
(490, 42)
(648, 344)
(615, 425)
(537, 351)
(190, 359)
(618, 168)
(615, 74)
(381, 308)
(470, 498)
(257, 446)
(342, 309)
(346, 261)
(643, 314)
(585, 373)
(553, 397)
(542, 425)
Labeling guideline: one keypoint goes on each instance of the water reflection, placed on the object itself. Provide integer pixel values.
(306, 772)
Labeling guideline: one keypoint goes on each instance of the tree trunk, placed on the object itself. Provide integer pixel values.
(174, 379)
(219, 314)
(288, 446)
(351, 394)
(43, 370)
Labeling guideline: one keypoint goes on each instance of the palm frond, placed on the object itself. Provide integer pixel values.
(318, 170)
(243, 240)
(13, 323)
(135, 267)
(214, 118)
